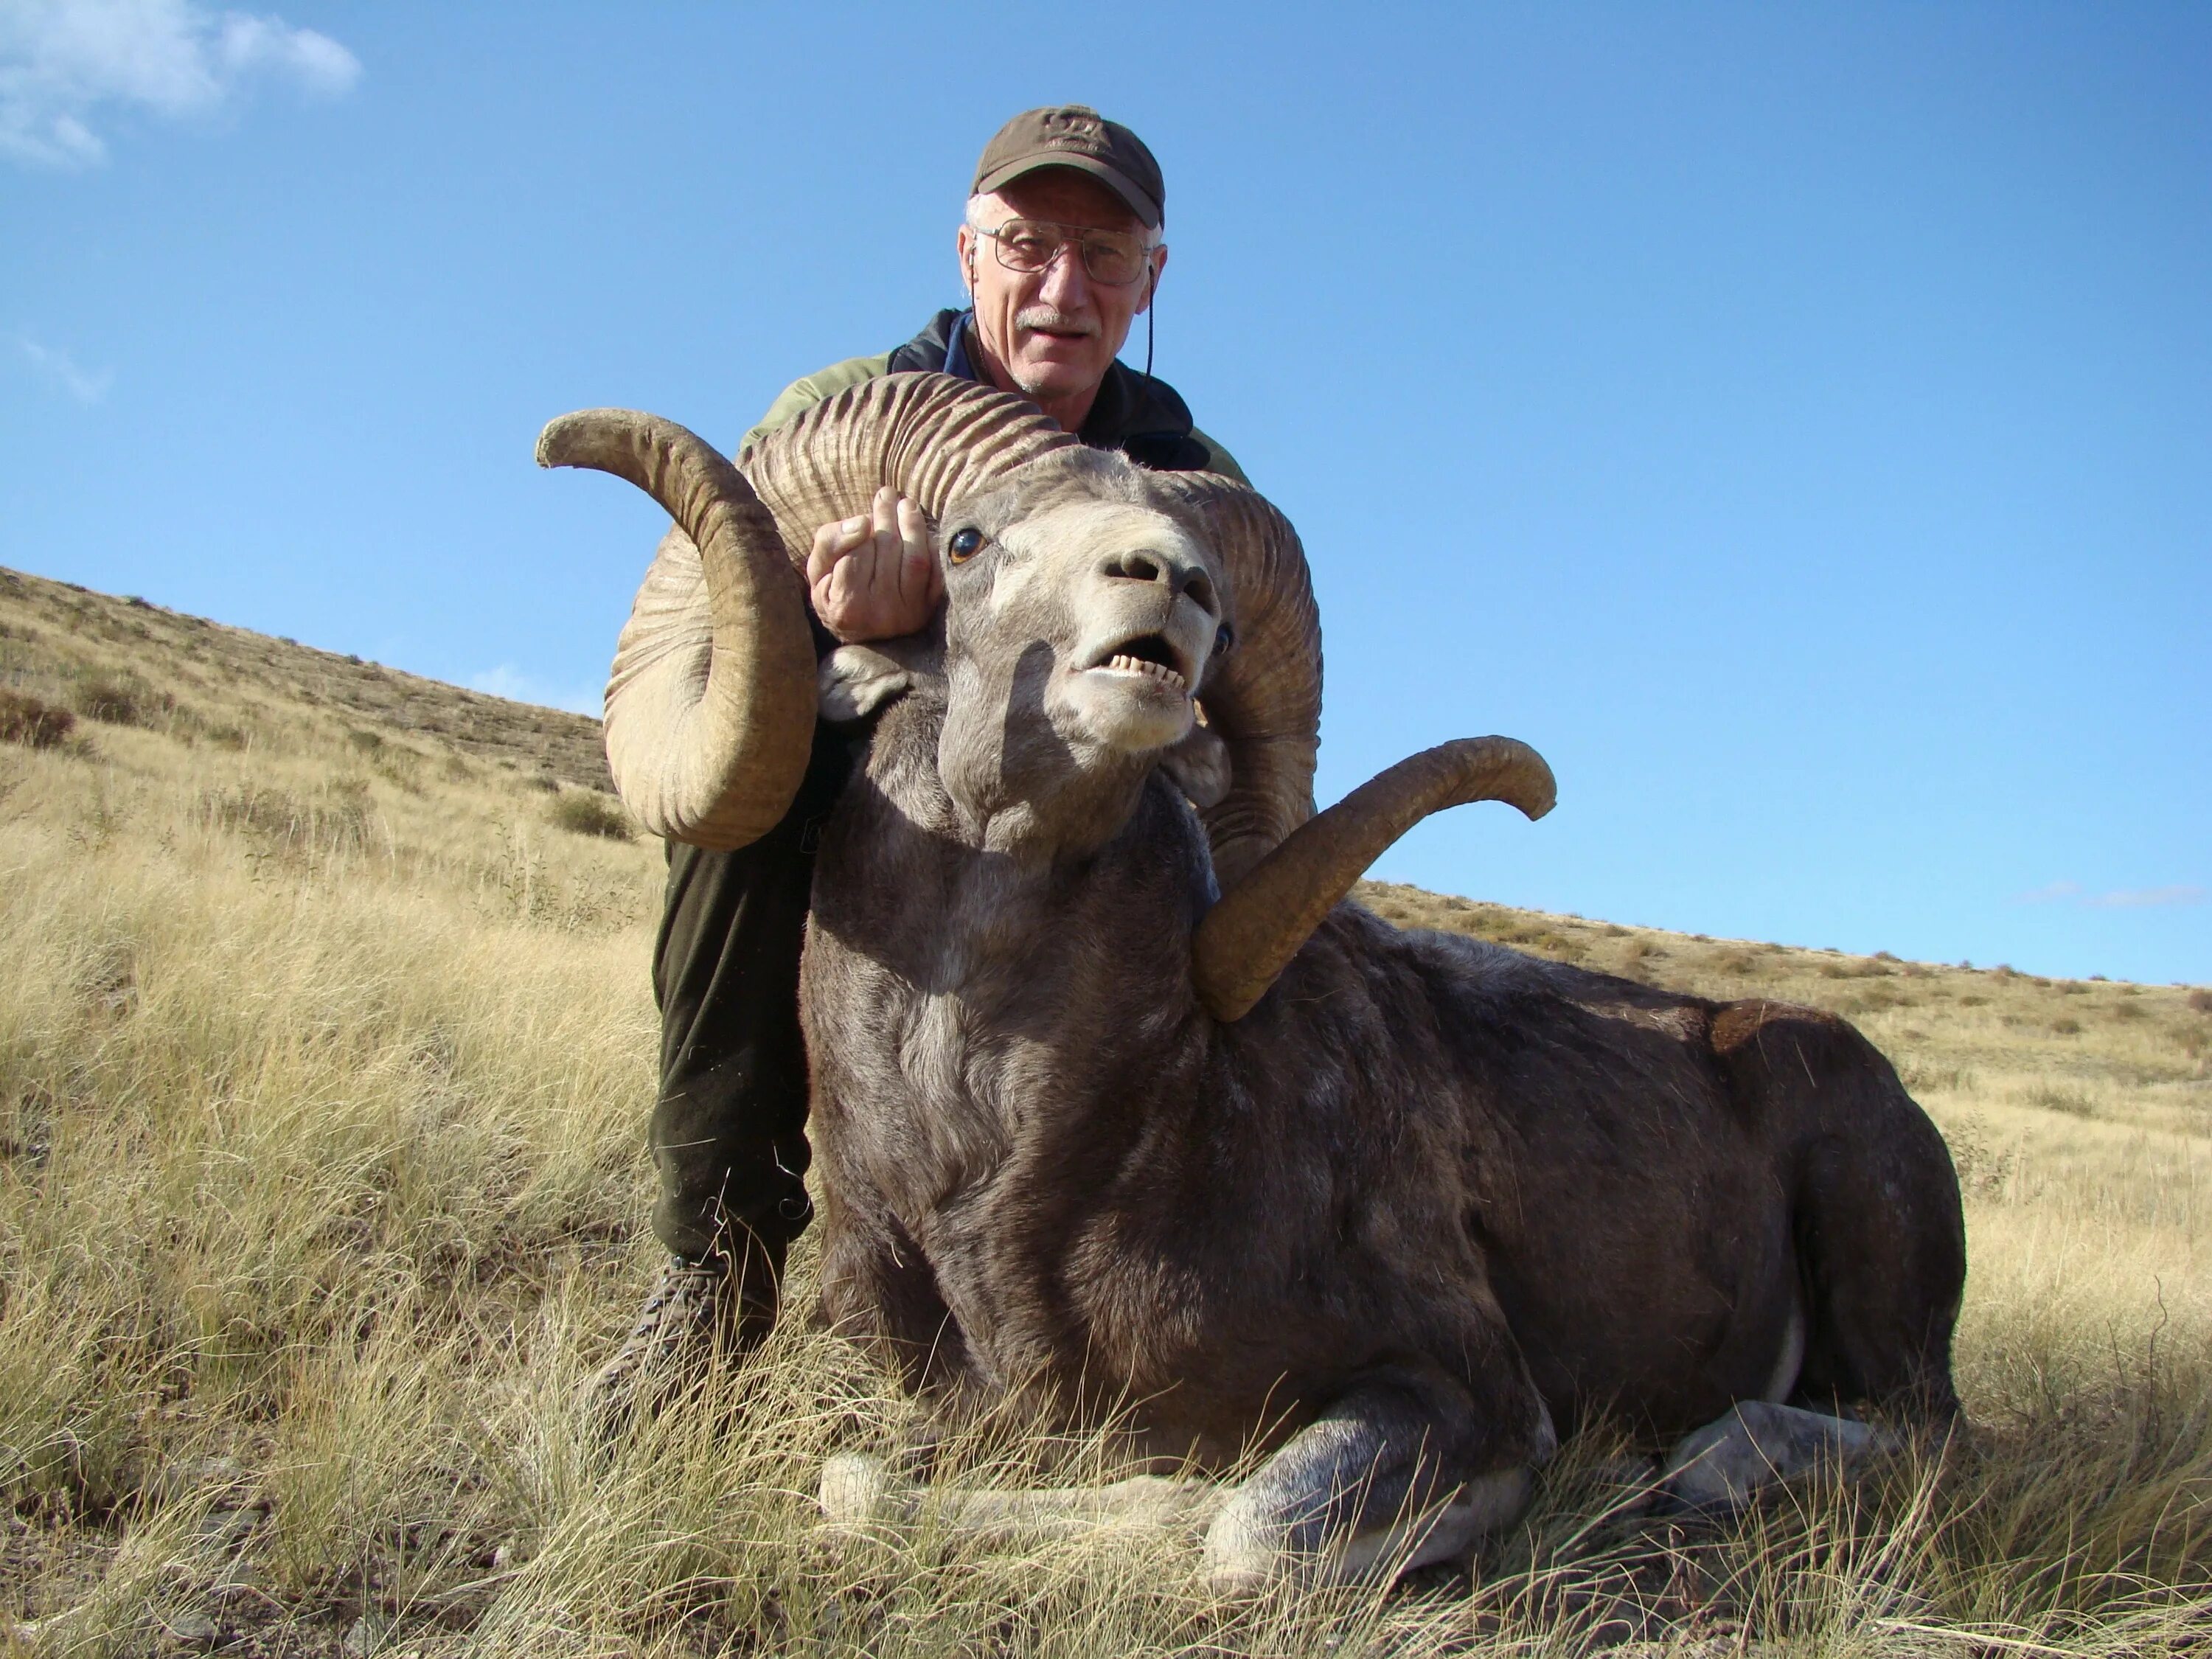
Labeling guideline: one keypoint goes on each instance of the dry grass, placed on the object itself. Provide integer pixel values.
(324, 1056)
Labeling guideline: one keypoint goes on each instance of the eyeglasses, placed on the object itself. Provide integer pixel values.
(1113, 258)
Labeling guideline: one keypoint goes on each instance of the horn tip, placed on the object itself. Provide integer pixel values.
(1540, 789)
(556, 440)
(574, 439)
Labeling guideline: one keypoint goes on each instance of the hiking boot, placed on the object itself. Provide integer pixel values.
(695, 1310)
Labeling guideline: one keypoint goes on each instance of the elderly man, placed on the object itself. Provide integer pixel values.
(1060, 251)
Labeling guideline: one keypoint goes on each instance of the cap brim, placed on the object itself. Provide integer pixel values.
(1146, 209)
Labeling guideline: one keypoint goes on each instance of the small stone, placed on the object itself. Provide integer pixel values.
(227, 1528)
(364, 1636)
(193, 1627)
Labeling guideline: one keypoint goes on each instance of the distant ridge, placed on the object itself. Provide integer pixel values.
(172, 651)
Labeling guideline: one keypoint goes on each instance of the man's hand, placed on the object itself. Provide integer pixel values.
(872, 576)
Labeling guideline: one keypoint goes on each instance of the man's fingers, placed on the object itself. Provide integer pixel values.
(869, 565)
(916, 569)
(884, 576)
(872, 575)
(833, 542)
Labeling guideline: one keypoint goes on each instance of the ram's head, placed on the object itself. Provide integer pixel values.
(1085, 612)
(1094, 598)
(711, 704)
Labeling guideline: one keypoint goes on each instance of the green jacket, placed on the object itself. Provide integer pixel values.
(1145, 418)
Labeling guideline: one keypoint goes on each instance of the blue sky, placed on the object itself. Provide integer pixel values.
(1795, 421)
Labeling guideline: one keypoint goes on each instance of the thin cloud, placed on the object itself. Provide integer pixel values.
(86, 385)
(509, 681)
(2126, 898)
(64, 62)
(2144, 897)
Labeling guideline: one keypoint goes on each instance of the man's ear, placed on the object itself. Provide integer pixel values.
(1198, 766)
(855, 681)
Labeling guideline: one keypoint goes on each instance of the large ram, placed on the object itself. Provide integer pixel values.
(1116, 1097)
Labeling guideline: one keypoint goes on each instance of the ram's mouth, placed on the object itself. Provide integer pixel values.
(1149, 656)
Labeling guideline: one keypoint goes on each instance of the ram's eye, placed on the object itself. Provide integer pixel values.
(963, 544)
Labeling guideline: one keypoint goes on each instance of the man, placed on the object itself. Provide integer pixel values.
(1059, 252)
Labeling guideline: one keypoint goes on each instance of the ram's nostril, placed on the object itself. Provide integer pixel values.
(1133, 567)
(1197, 587)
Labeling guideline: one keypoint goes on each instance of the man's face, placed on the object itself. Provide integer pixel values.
(1055, 330)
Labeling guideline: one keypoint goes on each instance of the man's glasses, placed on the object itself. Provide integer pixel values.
(1113, 258)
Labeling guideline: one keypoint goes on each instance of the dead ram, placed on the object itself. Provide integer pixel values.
(1117, 1098)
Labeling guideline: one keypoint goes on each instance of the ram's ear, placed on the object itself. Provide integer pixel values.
(1198, 766)
(855, 681)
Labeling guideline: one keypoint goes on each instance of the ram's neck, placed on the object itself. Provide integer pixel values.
(1017, 926)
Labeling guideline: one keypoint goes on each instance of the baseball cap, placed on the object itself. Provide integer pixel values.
(1076, 136)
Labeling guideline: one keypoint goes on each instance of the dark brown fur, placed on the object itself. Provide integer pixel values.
(1517, 1190)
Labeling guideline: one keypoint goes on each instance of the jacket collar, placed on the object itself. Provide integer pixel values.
(1130, 408)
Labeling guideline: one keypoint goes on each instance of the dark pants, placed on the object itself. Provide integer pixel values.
(729, 1128)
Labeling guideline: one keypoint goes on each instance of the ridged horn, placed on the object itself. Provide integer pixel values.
(710, 712)
(1247, 938)
(1264, 697)
(930, 436)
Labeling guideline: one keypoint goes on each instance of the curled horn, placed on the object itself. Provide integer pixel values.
(710, 714)
(710, 703)
(1264, 698)
(1247, 938)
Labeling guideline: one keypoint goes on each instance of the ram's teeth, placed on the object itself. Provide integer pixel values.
(1160, 671)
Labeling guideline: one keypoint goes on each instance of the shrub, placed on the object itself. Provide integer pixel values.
(1955, 1078)
(589, 812)
(1877, 999)
(27, 720)
(117, 700)
(2052, 1097)
(2200, 1000)
(337, 821)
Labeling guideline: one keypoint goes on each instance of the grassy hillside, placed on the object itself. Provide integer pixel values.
(325, 1043)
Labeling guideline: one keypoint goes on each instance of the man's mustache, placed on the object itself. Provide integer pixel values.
(1047, 320)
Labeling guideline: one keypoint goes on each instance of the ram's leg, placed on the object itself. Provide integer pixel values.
(1759, 1444)
(1379, 1484)
(859, 1492)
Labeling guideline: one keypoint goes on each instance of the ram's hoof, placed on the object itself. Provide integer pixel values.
(858, 1492)
(1246, 1551)
(1722, 1465)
